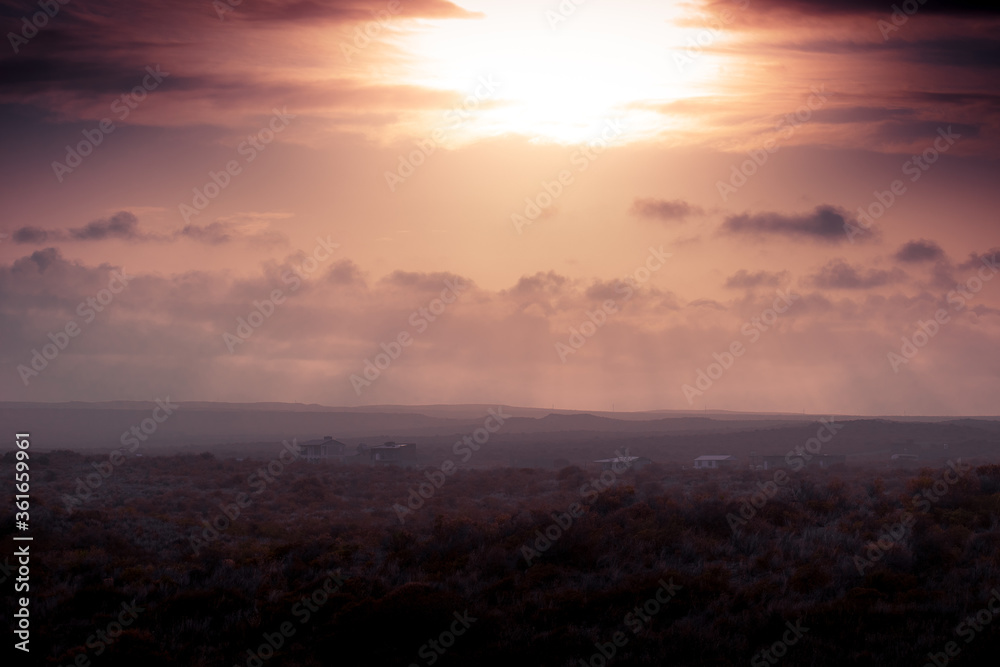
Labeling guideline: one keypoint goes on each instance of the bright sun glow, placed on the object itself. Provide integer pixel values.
(558, 81)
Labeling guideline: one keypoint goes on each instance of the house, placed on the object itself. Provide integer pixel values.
(620, 463)
(772, 461)
(322, 450)
(715, 461)
(400, 453)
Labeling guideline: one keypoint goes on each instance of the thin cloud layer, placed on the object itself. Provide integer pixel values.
(666, 211)
(306, 346)
(124, 226)
(839, 275)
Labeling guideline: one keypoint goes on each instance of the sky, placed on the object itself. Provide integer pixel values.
(755, 205)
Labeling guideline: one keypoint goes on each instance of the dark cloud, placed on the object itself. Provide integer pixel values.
(345, 11)
(974, 53)
(968, 52)
(227, 230)
(925, 129)
(100, 50)
(122, 225)
(873, 7)
(957, 99)
(541, 282)
(824, 224)
(213, 233)
(745, 279)
(989, 258)
(838, 274)
(43, 259)
(30, 235)
(345, 272)
(424, 281)
(706, 303)
(859, 114)
(920, 250)
(662, 209)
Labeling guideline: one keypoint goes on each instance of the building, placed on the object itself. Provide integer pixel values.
(619, 463)
(401, 453)
(904, 461)
(715, 461)
(322, 450)
(772, 461)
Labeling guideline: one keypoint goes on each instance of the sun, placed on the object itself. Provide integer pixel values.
(557, 80)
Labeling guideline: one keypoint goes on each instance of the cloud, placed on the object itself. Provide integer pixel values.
(744, 279)
(346, 11)
(706, 303)
(838, 274)
(43, 259)
(662, 209)
(423, 281)
(246, 227)
(492, 344)
(859, 114)
(866, 7)
(34, 235)
(347, 273)
(124, 226)
(990, 257)
(540, 283)
(825, 224)
(920, 250)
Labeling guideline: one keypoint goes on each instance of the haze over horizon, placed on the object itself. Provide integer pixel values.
(758, 205)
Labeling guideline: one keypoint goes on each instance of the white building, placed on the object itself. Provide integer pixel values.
(715, 461)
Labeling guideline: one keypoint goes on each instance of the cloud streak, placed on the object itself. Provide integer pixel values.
(825, 224)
